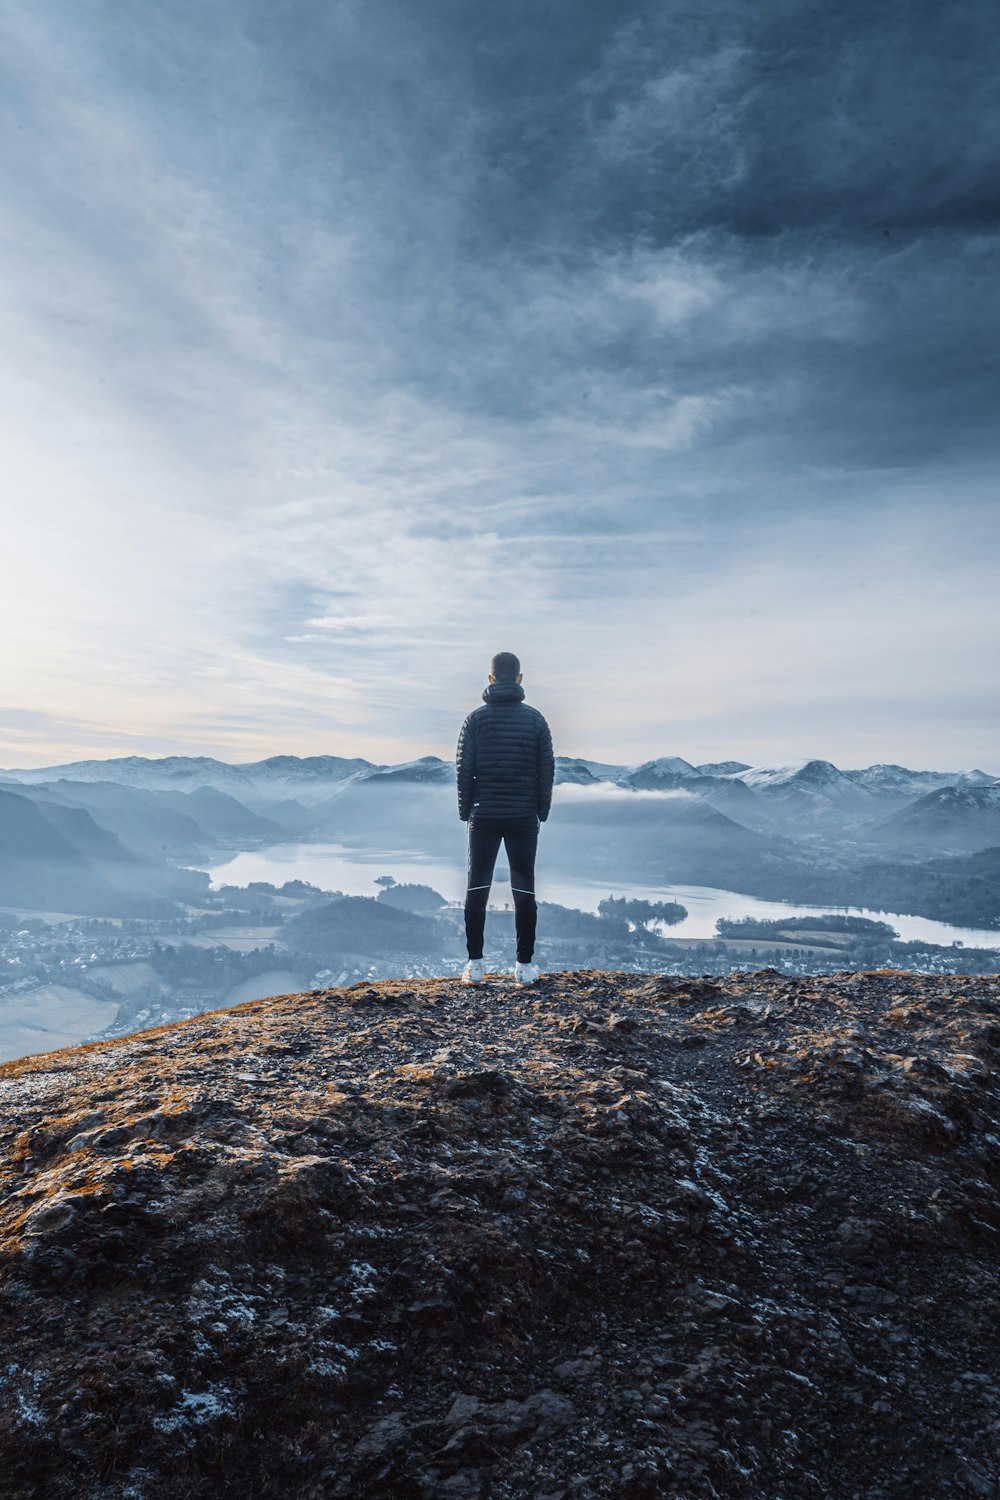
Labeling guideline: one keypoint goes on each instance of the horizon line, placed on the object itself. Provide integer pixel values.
(442, 760)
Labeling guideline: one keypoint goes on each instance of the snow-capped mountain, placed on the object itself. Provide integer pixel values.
(724, 793)
(900, 783)
(600, 770)
(815, 788)
(576, 772)
(306, 779)
(666, 773)
(176, 773)
(288, 775)
(428, 770)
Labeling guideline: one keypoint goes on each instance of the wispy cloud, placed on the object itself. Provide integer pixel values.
(346, 345)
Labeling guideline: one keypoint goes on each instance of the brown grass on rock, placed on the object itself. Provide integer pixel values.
(617, 1235)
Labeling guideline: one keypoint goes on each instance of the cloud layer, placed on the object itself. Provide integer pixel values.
(348, 344)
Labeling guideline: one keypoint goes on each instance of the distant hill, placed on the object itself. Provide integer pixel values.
(41, 867)
(145, 825)
(952, 817)
(423, 899)
(391, 812)
(163, 824)
(223, 817)
(55, 857)
(640, 836)
(360, 924)
(729, 796)
(132, 874)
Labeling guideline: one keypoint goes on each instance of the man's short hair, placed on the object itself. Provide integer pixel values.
(505, 666)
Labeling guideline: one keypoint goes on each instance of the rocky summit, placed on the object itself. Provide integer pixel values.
(616, 1235)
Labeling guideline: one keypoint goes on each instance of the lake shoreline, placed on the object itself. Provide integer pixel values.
(354, 871)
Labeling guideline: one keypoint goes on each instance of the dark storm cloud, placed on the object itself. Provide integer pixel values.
(832, 170)
(424, 182)
(754, 119)
(851, 149)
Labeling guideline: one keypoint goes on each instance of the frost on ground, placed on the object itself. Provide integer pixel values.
(616, 1235)
(195, 1408)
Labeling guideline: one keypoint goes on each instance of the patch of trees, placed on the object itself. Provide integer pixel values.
(209, 968)
(963, 889)
(566, 922)
(255, 899)
(303, 890)
(230, 916)
(418, 898)
(641, 912)
(779, 927)
(363, 925)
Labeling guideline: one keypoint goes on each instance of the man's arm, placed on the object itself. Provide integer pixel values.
(465, 768)
(545, 769)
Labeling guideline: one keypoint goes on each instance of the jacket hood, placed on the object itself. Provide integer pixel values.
(503, 692)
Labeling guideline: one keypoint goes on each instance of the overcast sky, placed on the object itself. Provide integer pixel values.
(344, 344)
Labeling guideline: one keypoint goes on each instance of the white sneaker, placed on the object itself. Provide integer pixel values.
(525, 974)
(473, 972)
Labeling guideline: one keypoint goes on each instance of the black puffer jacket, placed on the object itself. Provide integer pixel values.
(504, 763)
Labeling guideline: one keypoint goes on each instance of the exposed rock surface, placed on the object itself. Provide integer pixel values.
(618, 1235)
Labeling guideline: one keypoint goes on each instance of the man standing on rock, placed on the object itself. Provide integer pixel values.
(505, 770)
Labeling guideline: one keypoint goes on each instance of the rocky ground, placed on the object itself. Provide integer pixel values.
(618, 1235)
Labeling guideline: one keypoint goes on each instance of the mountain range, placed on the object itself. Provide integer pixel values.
(92, 830)
(282, 789)
(311, 778)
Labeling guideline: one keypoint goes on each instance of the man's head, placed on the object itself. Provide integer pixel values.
(505, 667)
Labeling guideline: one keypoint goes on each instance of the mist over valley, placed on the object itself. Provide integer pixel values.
(134, 891)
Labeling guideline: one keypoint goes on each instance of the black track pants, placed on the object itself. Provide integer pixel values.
(520, 839)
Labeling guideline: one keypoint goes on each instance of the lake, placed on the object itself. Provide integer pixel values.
(354, 871)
